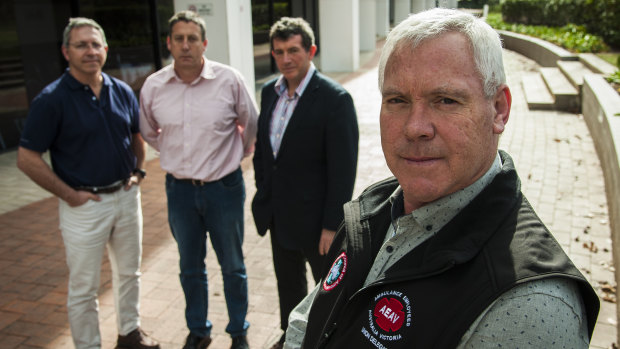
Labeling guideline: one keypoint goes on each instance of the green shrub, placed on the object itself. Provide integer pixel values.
(614, 80)
(601, 17)
(524, 11)
(572, 37)
(615, 77)
(561, 12)
(477, 4)
(545, 12)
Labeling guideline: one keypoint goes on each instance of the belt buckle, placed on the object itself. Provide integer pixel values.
(197, 182)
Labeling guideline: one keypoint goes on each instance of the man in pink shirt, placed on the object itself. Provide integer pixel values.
(201, 118)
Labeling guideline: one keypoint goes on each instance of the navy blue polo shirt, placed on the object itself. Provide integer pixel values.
(89, 140)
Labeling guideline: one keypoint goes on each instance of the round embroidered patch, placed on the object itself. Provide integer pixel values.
(336, 272)
(389, 316)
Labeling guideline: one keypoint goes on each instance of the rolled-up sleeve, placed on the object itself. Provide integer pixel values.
(247, 116)
(148, 126)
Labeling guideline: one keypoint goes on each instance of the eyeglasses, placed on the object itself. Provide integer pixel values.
(83, 46)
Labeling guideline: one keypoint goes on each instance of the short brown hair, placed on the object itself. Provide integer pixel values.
(188, 16)
(287, 27)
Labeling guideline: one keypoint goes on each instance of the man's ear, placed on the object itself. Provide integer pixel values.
(65, 54)
(312, 51)
(502, 103)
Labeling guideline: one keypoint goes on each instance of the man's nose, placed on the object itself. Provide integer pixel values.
(90, 49)
(419, 123)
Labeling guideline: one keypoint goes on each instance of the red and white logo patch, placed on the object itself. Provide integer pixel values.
(388, 315)
(336, 272)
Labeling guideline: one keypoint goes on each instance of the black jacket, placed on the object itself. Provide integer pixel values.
(305, 186)
(430, 297)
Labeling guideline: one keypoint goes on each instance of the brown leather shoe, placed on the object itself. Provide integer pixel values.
(136, 339)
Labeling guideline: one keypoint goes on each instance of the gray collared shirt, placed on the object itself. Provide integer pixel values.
(408, 231)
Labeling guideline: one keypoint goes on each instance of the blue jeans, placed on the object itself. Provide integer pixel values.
(215, 207)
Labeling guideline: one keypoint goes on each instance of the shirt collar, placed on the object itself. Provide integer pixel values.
(281, 84)
(206, 73)
(435, 215)
(74, 84)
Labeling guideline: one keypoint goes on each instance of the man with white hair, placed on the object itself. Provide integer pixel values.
(449, 253)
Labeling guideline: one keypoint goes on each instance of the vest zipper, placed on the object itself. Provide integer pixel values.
(382, 282)
(326, 336)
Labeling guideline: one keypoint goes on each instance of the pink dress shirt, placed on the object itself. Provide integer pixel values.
(203, 129)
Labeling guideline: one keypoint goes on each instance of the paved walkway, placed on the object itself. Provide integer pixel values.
(553, 152)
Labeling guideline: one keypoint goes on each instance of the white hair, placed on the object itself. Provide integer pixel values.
(485, 42)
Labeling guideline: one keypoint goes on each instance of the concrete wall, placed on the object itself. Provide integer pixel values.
(367, 24)
(339, 31)
(383, 18)
(601, 111)
(402, 9)
(543, 52)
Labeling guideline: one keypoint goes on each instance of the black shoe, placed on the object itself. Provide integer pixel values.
(136, 339)
(240, 342)
(195, 342)
(279, 344)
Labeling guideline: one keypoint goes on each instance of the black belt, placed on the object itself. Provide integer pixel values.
(104, 190)
(199, 182)
(194, 182)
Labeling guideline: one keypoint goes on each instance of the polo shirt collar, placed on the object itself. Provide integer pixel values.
(74, 84)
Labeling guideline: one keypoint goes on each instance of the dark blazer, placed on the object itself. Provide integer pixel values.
(304, 188)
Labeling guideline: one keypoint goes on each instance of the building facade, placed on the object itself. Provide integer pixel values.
(136, 30)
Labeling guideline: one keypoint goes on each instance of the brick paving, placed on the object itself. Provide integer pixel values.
(554, 155)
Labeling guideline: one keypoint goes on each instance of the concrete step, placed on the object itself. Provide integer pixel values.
(537, 95)
(566, 95)
(574, 71)
(597, 64)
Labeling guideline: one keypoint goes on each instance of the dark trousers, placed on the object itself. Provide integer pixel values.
(290, 269)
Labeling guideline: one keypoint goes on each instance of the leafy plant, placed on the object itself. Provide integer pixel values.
(600, 17)
(572, 37)
(614, 80)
